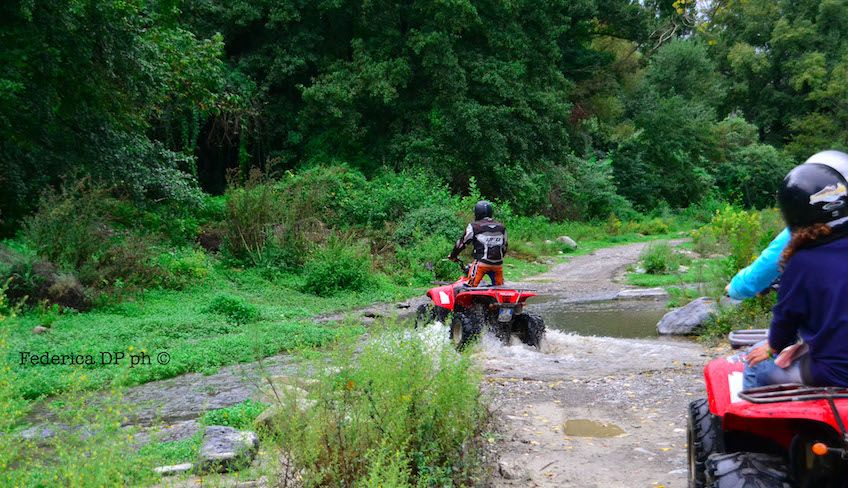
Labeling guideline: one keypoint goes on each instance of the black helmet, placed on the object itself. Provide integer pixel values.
(813, 193)
(837, 160)
(482, 210)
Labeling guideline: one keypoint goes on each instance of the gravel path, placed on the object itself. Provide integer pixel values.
(592, 411)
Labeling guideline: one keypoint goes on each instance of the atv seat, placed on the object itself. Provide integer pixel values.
(745, 338)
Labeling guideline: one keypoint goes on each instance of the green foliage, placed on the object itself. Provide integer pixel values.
(658, 258)
(235, 309)
(425, 260)
(787, 65)
(119, 79)
(747, 172)
(88, 429)
(339, 267)
(738, 233)
(72, 226)
(238, 416)
(428, 221)
(408, 411)
(754, 313)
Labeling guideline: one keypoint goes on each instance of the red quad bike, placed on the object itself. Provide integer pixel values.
(496, 308)
(776, 436)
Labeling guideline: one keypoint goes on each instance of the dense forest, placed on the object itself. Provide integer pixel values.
(206, 177)
(569, 109)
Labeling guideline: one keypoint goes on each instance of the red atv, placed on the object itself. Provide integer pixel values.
(496, 308)
(777, 436)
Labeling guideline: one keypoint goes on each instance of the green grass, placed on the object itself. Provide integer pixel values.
(704, 270)
(181, 324)
(199, 336)
(238, 416)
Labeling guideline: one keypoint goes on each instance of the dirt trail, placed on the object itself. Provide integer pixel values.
(543, 400)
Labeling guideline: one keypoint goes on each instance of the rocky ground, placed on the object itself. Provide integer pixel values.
(592, 411)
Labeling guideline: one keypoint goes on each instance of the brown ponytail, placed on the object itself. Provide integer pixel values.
(802, 238)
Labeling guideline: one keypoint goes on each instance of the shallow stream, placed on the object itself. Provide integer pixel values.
(613, 318)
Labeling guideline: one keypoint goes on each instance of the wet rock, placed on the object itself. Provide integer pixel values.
(276, 389)
(177, 431)
(639, 293)
(226, 449)
(40, 329)
(509, 472)
(41, 432)
(687, 320)
(174, 470)
(567, 241)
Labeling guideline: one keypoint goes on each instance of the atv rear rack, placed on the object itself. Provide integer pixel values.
(792, 393)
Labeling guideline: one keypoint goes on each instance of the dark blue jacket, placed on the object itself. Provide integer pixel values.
(813, 303)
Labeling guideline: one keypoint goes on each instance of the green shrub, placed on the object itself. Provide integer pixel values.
(337, 268)
(238, 416)
(648, 227)
(183, 266)
(428, 221)
(76, 230)
(89, 429)
(425, 260)
(252, 212)
(407, 412)
(739, 233)
(236, 310)
(71, 226)
(658, 258)
(754, 313)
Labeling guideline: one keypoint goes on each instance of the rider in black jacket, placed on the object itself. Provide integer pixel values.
(490, 244)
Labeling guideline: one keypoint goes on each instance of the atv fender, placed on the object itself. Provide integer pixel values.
(443, 296)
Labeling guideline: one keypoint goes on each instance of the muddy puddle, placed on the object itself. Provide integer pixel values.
(591, 428)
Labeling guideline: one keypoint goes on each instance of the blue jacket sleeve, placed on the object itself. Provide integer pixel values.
(762, 272)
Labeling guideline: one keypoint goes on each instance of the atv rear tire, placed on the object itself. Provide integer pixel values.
(746, 470)
(705, 438)
(530, 329)
(464, 329)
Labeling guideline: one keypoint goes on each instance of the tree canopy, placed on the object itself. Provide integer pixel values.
(547, 104)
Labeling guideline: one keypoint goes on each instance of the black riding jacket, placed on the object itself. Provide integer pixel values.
(489, 238)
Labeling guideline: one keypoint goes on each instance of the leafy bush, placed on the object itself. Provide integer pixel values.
(86, 232)
(72, 225)
(658, 258)
(648, 227)
(337, 268)
(238, 416)
(251, 214)
(407, 412)
(428, 221)
(754, 313)
(741, 234)
(424, 260)
(236, 310)
(183, 266)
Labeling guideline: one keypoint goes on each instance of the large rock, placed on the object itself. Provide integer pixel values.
(567, 241)
(686, 320)
(173, 470)
(642, 294)
(226, 449)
